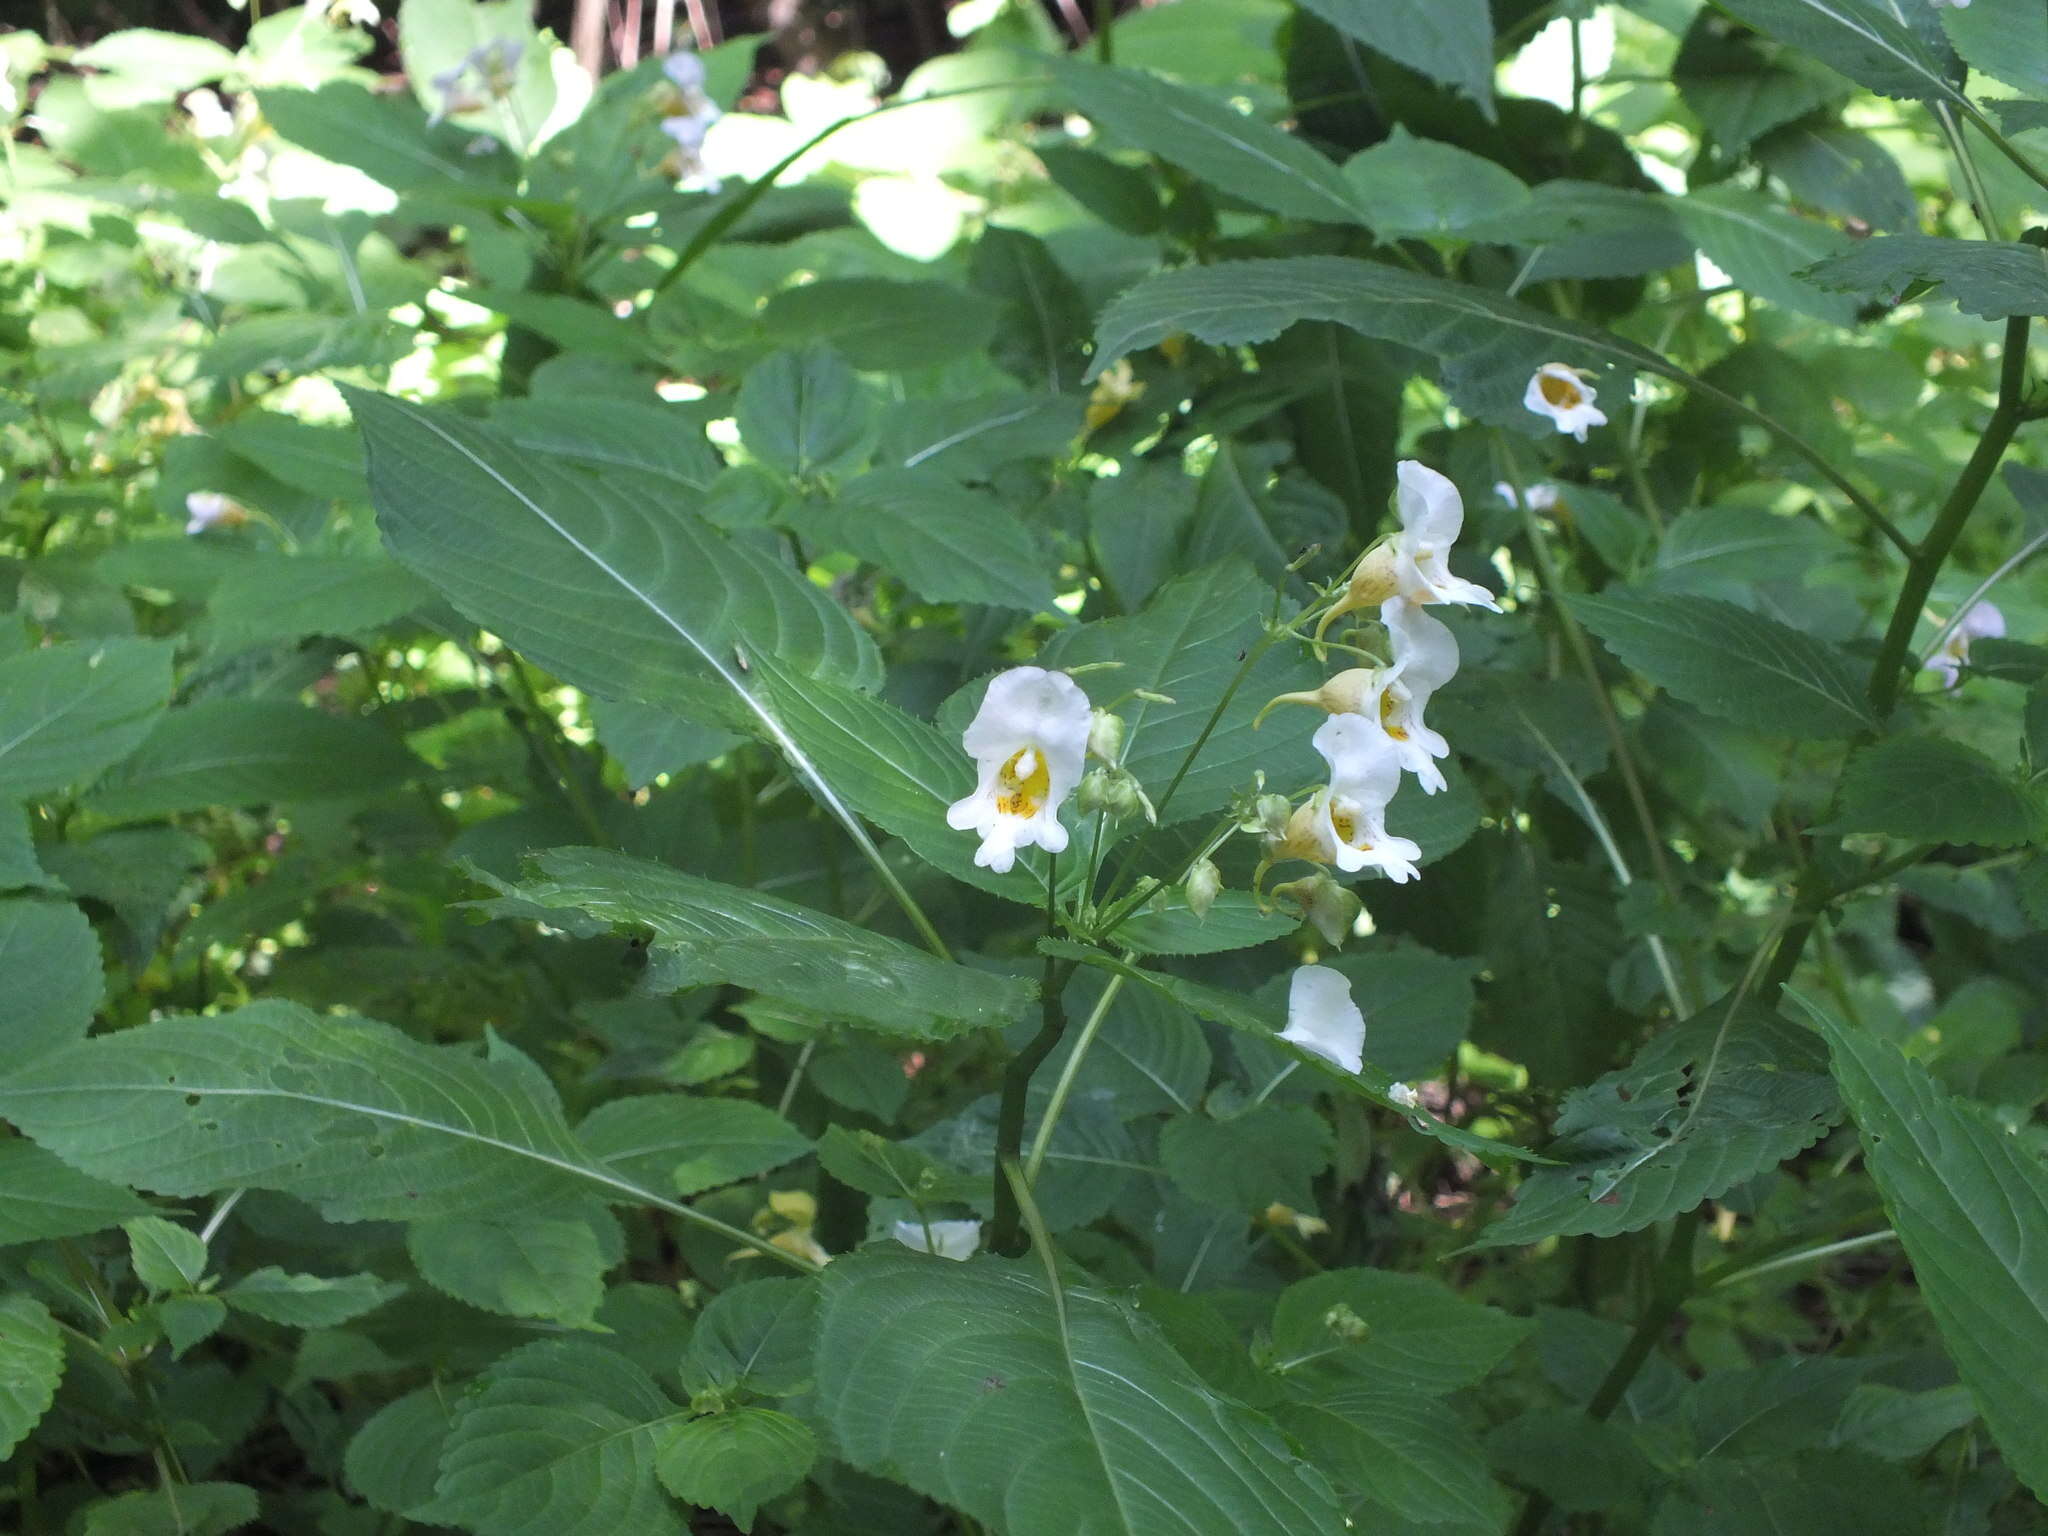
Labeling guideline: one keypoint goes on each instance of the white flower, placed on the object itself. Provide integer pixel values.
(688, 131)
(1322, 1018)
(1541, 498)
(1405, 1095)
(1978, 620)
(210, 509)
(1348, 815)
(1559, 393)
(1432, 516)
(210, 119)
(1425, 658)
(947, 1239)
(1030, 740)
(685, 70)
(495, 64)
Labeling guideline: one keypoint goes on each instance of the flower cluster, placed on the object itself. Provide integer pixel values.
(495, 66)
(1979, 621)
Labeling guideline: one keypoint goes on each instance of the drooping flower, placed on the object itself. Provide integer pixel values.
(1979, 621)
(1331, 909)
(1351, 810)
(947, 1239)
(210, 509)
(1425, 658)
(1565, 397)
(1414, 562)
(1029, 740)
(1321, 1016)
(1203, 885)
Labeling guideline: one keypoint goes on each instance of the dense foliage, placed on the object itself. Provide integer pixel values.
(722, 818)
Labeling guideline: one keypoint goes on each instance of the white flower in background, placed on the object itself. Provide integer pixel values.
(685, 71)
(947, 1239)
(1322, 1018)
(210, 509)
(1030, 741)
(1979, 620)
(1348, 815)
(1566, 398)
(495, 64)
(1405, 1095)
(1541, 498)
(1414, 562)
(688, 125)
(210, 118)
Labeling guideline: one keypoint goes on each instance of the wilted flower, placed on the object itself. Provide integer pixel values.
(1106, 736)
(1030, 740)
(210, 509)
(1564, 396)
(947, 1239)
(1412, 564)
(1405, 1095)
(1979, 621)
(1331, 909)
(1322, 1018)
(795, 1211)
(1116, 388)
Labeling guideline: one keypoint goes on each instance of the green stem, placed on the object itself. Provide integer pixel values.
(1887, 675)
(1062, 1090)
(1005, 1230)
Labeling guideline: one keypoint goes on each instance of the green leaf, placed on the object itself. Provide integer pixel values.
(139, 65)
(1861, 38)
(1149, 1056)
(341, 1111)
(675, 1140)
(42, 1197)
(709, 932)
(1269, 1153)
(1934, 790)
(1762, 246)
(166, 1256)
(758, 1336)
(1410, 188)
(1235, 153)
(1420, 1337)
(804, 411)
(1417, 1006)
(177, 1509)
(1667, 1131)
(67, 711)
(308, 1301)
(55, 977)
(881, 325)
(1122, 196)
(1970, 1203)
(1414, 1461)
(386, 139)
(1487, 345)
(1842, 171)
(560, 1438)
(1234, 922)
(1728, 551)
(649, 742)
(267, 600)
(1448, 40)
(188, 1320)
(31, 1364)
(1739, 666)
(1043, 1414)
(1044, 323)
(232, 752)
(521, 1266)
(736, 1461)
(2006, 39)
(665, 441)
(944, 541)
(394, 1459)
(890, 1170)
(1991, 278)
(1898, 1425)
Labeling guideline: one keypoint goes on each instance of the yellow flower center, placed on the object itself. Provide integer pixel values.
(1562, 392)
(1390, 716)
(1344, 822)
(1023, 783)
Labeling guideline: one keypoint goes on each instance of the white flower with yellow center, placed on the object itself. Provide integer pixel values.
(947, 1239)
(1322, 1018)
(1348, 816)
(1564, 396)
(1030, 741)
(1425, 658)
(1979, 621)
(1414, 563)
(210, 509)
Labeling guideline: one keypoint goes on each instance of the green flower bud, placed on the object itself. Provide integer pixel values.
(1205, 880)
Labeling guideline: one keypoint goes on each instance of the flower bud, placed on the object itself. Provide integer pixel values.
(1373, 581)
(1105, 736)
(1204, 881)
(1328, 906)
(1348, 693)
(1093, 794)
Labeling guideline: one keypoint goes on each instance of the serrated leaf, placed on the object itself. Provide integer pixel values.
(67, 711)
(888, 1169)
(1410, 188)
(394, 1459)
(1762, 246)
(1486, 344)
(677, 1141)
(31, 1364)
(1413, 1461)
(341, 1111)
(1861, 38)
(2006, 39)
(804, 411)
(287, 597)
(1270, 1153)
(557, 1439)
(722, 933)
(1933, 790)
(1739, 666)
(942, 540)
(1842, 171)
(189, 1320)
(234, 752)
(1237, 154)
(388, 140)
(1970, 1203)
(50, 958)
(1148, 1055)
(1991, 278)
(41, 1197)
(308, 1301)
(178, 1509)
(1040, 1415)
(1420, 1337)
(736, 1461)
(759, 1336)
(1447, 40)
(165, 1256)
(1236, 921)
(1660, 1135)
(523, 1266)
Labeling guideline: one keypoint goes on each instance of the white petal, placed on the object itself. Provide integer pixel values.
(1430, 508)
(685, 70)
(947, 1239)
(1982, 620)
(1425, 650)
(1031, 707)
(1321, 1016)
